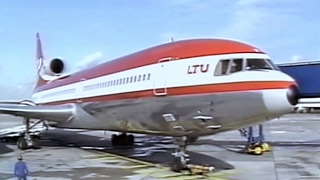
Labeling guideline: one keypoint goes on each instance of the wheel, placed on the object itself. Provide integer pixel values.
(114, 140)
(130, 140)
(257, 150)
(35, 142)
(22, 143)
(122, 140)
(265, 147)
(177, 165)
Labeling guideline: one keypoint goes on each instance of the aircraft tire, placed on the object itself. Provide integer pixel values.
(22, 143)
(130, 140)
(35, 142)
(114, 140)
(176, 165)
(122, 140)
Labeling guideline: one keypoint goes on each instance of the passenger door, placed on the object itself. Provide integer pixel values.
(159, 84)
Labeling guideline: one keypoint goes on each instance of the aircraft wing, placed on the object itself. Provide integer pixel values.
(10, 102)
(57, 113)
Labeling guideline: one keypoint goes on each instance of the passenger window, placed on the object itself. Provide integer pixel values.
(135, 79)
(139, 77)
(149, 76)
(236, 65)
(144, 77)
(222, 67)
(131, 79)
(127, 80)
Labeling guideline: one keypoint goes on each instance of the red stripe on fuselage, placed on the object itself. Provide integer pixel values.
(176, 50)
(187, 90)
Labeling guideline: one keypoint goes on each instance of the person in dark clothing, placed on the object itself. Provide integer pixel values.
(20, 169)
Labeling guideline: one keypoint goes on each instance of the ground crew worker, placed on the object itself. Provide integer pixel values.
(20, 169)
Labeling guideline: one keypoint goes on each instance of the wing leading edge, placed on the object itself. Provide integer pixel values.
(57, 113)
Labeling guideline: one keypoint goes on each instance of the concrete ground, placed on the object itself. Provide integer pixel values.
(79, 154)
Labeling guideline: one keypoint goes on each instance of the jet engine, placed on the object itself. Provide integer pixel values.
(55, 67)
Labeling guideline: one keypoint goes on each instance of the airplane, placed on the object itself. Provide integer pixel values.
(183, 89)
(307, 105)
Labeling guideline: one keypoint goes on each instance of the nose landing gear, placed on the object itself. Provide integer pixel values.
(181, 159)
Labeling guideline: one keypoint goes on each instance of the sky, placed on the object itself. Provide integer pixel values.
(85, 33)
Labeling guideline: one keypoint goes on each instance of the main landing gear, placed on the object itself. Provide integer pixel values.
(255, 141)
(27, 140)
(122, 140)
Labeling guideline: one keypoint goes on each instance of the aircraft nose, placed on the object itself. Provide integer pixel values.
(281, 101)
(293, 95)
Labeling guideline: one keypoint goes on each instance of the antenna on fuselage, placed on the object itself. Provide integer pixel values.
(172, 40)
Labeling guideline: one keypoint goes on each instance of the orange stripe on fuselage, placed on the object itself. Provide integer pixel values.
(187, 90)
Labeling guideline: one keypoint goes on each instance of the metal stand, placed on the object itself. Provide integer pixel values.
(255, 142)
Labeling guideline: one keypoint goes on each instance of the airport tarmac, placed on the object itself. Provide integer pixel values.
(81, 154)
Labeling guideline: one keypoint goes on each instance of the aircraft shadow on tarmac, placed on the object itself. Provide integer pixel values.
(313, 143)
(144, 149)
(4, 149)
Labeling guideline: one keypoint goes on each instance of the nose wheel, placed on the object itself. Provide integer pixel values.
(181, 158)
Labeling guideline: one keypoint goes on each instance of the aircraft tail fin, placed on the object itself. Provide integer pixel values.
(39, 50)
(40, 61)
(48, 70)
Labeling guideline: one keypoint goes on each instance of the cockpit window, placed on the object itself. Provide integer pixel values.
(236, 65)
(273, 65)
(222, 67)
(253, 64)
(229, 66)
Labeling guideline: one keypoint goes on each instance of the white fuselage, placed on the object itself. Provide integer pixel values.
(178, 97)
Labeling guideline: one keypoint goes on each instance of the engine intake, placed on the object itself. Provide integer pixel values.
(56, 66)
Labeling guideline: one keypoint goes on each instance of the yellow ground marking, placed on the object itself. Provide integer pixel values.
(158, 171)
(108, 155)
(136, 167)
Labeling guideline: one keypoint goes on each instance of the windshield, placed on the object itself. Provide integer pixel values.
(273, 65)
(253, 64)
(236, 65)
